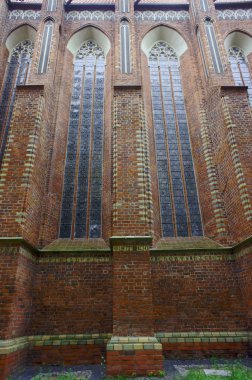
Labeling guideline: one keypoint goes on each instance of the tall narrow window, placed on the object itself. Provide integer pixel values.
(16, 74)
(180, 214)
(124, 6)
(240, 69)
(202, 52)
(204, 5)
(125, 47)
(212, 42)
(45, 47)
(51, 5)
(81, 213)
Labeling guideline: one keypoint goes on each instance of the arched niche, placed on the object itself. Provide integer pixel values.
(88, 33)
(24, 32)
(240, 40)
(164, 33)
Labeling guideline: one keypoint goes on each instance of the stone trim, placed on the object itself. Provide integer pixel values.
(205, 337)
(103, 256)
(162, 15)
(124, 343)
(234, 14)
(12, 345)
(28, 14)
(132, 343)
(94, 259)
(213, 257)
(89, 15)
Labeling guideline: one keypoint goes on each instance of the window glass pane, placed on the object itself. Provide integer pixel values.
(215, 54)
(240, 69)
(16, 73)
(125, 47)
(179, 207)
(82, 192)
(45, 47)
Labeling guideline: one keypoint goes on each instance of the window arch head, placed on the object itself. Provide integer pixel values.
(22, 49)
(238, 46)
(22, 38)
(89, 48)
(89, 33)
(240, 40)
(236, 54)
(162, 50)
(167, 35)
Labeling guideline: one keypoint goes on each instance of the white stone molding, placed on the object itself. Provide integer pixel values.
(234, 14)
(90, 15)
(161, 15)
(24, 15)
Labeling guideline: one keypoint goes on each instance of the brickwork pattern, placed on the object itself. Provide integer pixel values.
(65, 303)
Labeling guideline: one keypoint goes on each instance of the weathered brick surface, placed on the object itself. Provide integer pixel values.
(12, 362)
(16, 293)
(139, 362)
(126, 293)
(77, 298)
(67, 355)
(204, 350)
(197, 296)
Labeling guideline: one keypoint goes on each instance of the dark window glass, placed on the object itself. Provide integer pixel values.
(82, 192)
(179, 207)
(16, 74)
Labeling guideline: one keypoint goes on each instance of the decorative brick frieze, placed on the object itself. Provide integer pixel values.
(204, 336)
(161, 15)
(129, 343)
(90, 16)
(29, 14)
(234, 14)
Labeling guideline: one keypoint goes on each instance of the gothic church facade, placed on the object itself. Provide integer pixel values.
(125, 182)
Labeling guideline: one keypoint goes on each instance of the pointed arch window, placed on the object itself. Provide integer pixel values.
(51, 5)
(179, 206)
(81, 212)
(45, 47)
(17, 73)
(213, 45)
(125, 47)
(240, 69)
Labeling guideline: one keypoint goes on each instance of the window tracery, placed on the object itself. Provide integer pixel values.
(240, 69)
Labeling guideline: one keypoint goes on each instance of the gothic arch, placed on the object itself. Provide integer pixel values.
(167, 34)
(22, 33)
(88, 33)
(239, 39)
